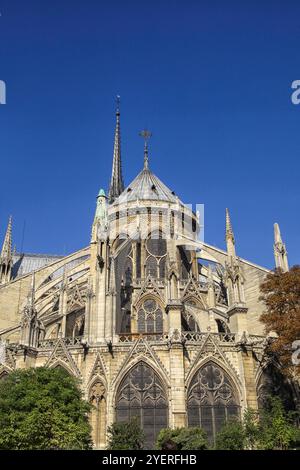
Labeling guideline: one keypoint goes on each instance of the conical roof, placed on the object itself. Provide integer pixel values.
(146, 186)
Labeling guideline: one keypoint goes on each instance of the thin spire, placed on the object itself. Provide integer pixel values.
(146, 135)
(230, 242)
(116, 182)
(6, 252)
(229, 231)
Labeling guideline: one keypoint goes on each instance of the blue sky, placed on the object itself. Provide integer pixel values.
(211, 79)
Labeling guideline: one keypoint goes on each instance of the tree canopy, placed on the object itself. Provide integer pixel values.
(125, 436)
(281, 296)
(43, 409)
(192, 438)
(272, 428)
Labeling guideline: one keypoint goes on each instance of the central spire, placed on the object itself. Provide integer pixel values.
(146, 136)
(116, 182)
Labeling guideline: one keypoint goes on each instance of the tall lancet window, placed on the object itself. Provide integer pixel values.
(156, 252)
(141, 394)
(212, 399)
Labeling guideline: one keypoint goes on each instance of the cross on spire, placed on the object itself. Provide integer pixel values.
(146, 136)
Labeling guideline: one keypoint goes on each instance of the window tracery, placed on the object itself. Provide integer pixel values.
(150, 317)
(141, 394)
(156, 252)
(212, 399)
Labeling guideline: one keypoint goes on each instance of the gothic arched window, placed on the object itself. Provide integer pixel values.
(141, 394)
(150, 317)
(156, 251)
(75, 323)
(212, 399)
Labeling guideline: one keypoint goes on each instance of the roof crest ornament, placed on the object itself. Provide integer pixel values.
(146, 136)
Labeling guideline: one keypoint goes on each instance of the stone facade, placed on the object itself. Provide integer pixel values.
(154, 323)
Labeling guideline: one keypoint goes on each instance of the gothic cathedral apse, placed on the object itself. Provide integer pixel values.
(155, 322)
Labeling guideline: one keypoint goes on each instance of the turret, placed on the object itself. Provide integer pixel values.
(100, 224)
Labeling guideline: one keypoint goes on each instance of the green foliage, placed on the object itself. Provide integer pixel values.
(251, 428)
(43, 409)
(182, 439)
(276, 427)
(231, 437)
(125, 436)
(272, 428)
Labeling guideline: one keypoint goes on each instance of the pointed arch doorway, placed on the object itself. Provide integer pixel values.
(141, 394)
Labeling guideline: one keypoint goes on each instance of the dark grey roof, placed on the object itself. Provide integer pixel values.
(25, 263)
(146, 186)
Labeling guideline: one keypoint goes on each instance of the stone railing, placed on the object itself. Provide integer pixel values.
(196, 337)
(50, 342)
(186, 336)
(131, 337)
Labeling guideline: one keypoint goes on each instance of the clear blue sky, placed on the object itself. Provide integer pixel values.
(211, 79)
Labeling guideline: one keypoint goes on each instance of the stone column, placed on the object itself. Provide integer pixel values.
(249, 376)
(178, 403)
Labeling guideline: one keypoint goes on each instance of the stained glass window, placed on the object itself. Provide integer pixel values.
(150, 317)
(212, 399)
(142, 394)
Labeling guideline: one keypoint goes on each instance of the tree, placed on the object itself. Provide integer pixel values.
(182, 439)
(231, 436)
(276, 429)
(43, 409)
(269, 429)
(281, 296)
(125, 436)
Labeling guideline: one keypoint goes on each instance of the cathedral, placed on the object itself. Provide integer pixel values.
(154, 322)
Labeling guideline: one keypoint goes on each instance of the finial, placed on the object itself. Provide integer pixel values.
(229, 231)
(118, 99)
(277, 235)
(146, 136)
(7, 244)
(280, 251)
